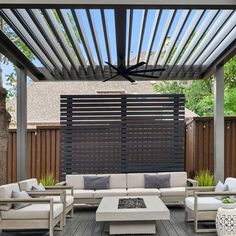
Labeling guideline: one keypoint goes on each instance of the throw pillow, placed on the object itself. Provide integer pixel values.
(220, 187)
(21, 194)
(157, 181)
(96, 182)
(38, 187)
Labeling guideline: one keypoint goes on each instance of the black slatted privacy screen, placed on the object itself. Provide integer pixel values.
(122, 133)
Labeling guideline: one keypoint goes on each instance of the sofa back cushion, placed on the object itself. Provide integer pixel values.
(77, 181)
(136, 180)
(26, 185)
(6, 192)
(117, 181)
(177, 179)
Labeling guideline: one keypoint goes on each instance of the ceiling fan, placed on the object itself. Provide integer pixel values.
(127, 72)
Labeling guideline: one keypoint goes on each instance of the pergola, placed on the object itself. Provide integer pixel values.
(72, 40)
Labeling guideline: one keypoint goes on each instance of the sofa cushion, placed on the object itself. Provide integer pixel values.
(143, 192)
(177, 179)
(136, 180)
(57, 199)
(96, 182)
(26, 185)
(204, 203)
(81, 193)
(34, 211)
(6, 192)
(175, 191)
(22, 194)
(38, 187)
(231, 183)
(157, 181)
(110, 192)
(117, 181)
(77, 181)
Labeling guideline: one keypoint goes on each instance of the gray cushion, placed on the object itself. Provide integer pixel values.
(157, 181)
(96, 182)
(38, 187)
(21, 194)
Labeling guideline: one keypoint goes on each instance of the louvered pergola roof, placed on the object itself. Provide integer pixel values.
(72, 40)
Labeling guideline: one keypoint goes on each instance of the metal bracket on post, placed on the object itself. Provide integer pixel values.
(21, 123)
(219, 124)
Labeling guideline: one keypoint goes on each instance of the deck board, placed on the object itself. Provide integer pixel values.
(84, 224)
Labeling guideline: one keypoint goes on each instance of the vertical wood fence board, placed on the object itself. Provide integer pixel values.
(200, 132)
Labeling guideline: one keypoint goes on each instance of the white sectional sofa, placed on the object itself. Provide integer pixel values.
(131, 184)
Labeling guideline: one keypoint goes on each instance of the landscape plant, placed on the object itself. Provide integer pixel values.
(205, 178)
(48, 180)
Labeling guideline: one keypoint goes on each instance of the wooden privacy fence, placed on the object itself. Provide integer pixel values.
(44, 149)
(43, 153)
(200, 145)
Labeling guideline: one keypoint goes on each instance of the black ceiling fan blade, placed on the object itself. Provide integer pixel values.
(134, 66)
(114, 76)
(128, 78)
(147, 76)
(112, 66)
(148, 70)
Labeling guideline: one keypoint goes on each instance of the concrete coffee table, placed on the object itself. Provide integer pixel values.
(132, 220)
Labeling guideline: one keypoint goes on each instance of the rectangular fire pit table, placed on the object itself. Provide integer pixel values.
(132, 220)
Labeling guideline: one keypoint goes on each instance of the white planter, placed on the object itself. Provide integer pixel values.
(226, 222)
(229, 205)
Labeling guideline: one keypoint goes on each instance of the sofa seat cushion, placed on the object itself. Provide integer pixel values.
(110, 192)
(57, 199)
(175, 191)
(143, 192)
(34, 211)
(204, 203)
(81, 193)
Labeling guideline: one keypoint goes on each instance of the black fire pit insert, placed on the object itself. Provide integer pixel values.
(127, 203)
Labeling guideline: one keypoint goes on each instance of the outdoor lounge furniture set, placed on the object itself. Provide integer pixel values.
(26, 205)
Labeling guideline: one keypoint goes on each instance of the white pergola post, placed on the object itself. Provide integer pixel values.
(219, 123)
(21, 123)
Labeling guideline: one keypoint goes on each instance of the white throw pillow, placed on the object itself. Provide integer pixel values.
(231, 182)
(220, 187)
(38, 187)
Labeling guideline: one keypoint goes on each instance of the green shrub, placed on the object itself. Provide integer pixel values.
(48, 180)
(205, 178)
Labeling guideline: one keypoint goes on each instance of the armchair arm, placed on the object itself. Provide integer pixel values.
(59, 187)
(62, 183)
(27, 200)
(189, 191)
(192, 182)
(61, 193)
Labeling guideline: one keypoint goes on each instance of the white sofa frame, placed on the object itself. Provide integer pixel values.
(23, 224)
(202, 215)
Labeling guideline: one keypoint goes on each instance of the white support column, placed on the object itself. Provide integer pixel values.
(21, 123)
(219, 123)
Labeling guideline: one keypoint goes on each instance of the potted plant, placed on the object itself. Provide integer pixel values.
(228, 203)
(48, 180)
(205, 178)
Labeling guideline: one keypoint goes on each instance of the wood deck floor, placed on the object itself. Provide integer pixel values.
(83, 224)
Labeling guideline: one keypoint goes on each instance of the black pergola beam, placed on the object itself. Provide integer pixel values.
(120, 23)
(13, 53)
